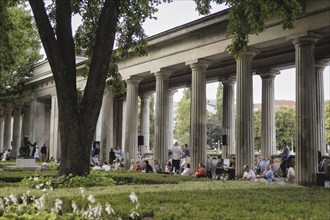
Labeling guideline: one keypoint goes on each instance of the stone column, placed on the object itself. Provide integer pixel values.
(306, 135)
(131, 126)
(244, 112)
(268, 132)
(170, 117)
(2, 124)
(161, 117)
(117, 121)
(107, 125)
(17, 131)
(123, 137)
(144, 120)
(320, 120)
(228, 120)
(26, 121)
(7, 137)
(54, 140)
(198, 113)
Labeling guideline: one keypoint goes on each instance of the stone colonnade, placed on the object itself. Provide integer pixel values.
(39, 119)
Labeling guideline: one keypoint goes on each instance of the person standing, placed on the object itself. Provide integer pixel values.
(112, 156)
(43, 152)
(285, 159)
(176, 157)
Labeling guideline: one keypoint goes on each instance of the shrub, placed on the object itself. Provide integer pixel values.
(70, 181)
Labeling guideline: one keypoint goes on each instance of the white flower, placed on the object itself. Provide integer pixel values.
(109, 209)
(28, 192)
(58, 205)
(82, 190)
(97, 210)
(23, 199)
(74, 206)
(134, 214)
(51, 188)
(40, 203)
(13, 198)
(133, 197)
(30, 178)
(44, 190)
(91, 199)
(7, 200)
(48, 183)
(41, 184)
(35, 178)
(37, 187)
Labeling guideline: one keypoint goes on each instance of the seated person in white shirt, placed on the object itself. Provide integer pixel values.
(248, 173)
(186, 171)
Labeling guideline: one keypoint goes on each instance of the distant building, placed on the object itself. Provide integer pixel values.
(278, 104)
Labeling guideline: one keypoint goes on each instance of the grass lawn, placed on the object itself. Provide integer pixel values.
(203, 199)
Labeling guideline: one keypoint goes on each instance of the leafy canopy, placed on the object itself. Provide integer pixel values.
(19, 48)
(247, 17)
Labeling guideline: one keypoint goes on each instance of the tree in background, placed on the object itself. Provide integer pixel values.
(152, 122)
(182, 126)
(327, 121)
(19, 48)
(219, 102)
(257, 129)
(213, 129)
(285, 126)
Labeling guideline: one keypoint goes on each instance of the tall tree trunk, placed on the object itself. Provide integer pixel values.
(77, 125)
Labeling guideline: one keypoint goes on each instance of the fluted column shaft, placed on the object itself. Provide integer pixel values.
(170, 117)
(244, 113)
(7, 138)
(54, 140)
(228, 119)
(16, 132)
(2, 124)
(118, 121)
(107, 126)
(306, 136)
(161, 117)
(268, 132)
(198, 114)
(145, 122)
(131, 122)
(320, 119)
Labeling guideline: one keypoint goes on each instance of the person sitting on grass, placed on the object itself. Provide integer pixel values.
(267, 175)
(201, 172)
(137, 166)
(148, 168)
(231, 169)
(186, 170)
(157, 167)
(248, 173)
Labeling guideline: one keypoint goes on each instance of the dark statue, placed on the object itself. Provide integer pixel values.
(24, 150)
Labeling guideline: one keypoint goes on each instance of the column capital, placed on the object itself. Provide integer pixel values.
(172, 91)
(321, 64)
(164, 74)
(146, 95)
(134, 80)
(249, 54)
(268, 74)
(199, 63)
(228, 80)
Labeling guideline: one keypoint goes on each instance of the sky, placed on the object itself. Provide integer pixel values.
(179, 12)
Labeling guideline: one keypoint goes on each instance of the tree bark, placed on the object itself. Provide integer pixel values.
(77, 125)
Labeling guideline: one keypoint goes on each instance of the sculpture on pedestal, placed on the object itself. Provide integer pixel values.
(24, 150)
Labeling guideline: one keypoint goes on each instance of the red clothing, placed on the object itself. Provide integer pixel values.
(201, 172)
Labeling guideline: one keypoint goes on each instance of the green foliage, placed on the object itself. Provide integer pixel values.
(213, 129)
(248, 18)
(257, 129)
(182, 127)
(285, 126)
(219, 102)
(152, 122)
(327, 121)
(19, 48)
(95, 178)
